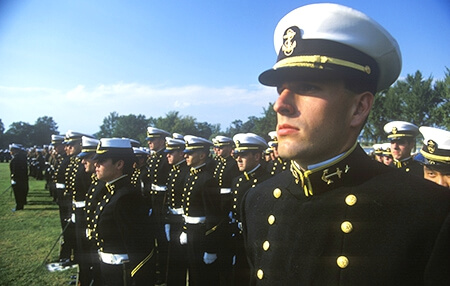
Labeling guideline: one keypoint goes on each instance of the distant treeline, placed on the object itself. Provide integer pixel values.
(424, 102)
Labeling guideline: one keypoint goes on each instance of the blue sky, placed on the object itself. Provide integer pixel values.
(77, 61)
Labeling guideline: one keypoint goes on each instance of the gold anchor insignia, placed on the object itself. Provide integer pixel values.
(289, 45)
(326, 177)
(238, 143)
(394, 130)
(431, 146)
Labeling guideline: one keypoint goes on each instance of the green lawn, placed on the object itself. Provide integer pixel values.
(26, 237)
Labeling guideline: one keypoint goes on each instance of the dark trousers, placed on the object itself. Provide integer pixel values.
(177, 259)
(82, 255)
(20, 189)
(199, 272)
(241, 268)
(69, 237)
(160, 234)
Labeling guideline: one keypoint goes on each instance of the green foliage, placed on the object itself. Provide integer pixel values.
(414, 99)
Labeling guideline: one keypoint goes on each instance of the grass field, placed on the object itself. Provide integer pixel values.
(26, 237)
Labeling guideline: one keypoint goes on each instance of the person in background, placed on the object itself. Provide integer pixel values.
(177, 259)
(435, 155)
(18, 167)
(122, 229)
(402, 136)
(203, 217)
(249, 157)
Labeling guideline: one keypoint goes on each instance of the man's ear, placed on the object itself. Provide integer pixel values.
(363, 105)
(120, 164)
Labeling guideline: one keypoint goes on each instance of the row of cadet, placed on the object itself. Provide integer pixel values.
(430, 162)
(169, 214)
(187, 200)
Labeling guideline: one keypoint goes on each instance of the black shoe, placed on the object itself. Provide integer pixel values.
(16, 209)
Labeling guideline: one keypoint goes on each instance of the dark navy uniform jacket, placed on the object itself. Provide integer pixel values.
(351, 222)
(123, 224)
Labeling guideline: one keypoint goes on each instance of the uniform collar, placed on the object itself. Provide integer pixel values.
(345, 169)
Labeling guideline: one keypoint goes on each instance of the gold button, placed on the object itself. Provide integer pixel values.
(277, 193)
(260, 274)
(271, 219)
(351, 200)
(342, 262)
(346, 227)
(266, 245)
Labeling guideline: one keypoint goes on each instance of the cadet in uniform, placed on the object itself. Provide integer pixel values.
(378, 152)
(19, 175)
(56, 157)
(71, 179)
(386, 154)
(402, 136)
(177, 259)
(277, 165)
(89, 146)
(435, 155)
(122, 227)
(155, 184)
(249, 157)
(202, 214)
(225, 171)
(338, 217)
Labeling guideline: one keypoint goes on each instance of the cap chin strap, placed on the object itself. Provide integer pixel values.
(317, 61)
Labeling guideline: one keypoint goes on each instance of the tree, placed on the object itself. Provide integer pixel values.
(131, 126)
(43, 130)
(414, 100)
(441, 112)
(20, 132)
(2, 136)
(108, 126)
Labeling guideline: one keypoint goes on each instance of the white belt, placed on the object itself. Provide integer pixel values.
(79, 204)
(194, 219)
(114, 259)
(60, 186)
(177, 211)
(225, 191)
(159, 188)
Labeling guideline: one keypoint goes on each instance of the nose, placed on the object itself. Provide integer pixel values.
(284, 104)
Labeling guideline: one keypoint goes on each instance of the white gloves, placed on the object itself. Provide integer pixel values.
(183, 238)
(13, 182)
(209, 258)
(167, 229)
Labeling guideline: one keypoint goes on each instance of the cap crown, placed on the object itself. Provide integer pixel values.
(332, 37)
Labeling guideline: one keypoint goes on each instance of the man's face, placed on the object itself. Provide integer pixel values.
(314, 120)
(59, 149)
(74, 148)
(175, 157)
(387, 160)
(247, 161)
(194, 159)
(88, 163)
(224, 151)
(401, 148)
(439, 177)
(106, 170)
(156, 144)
